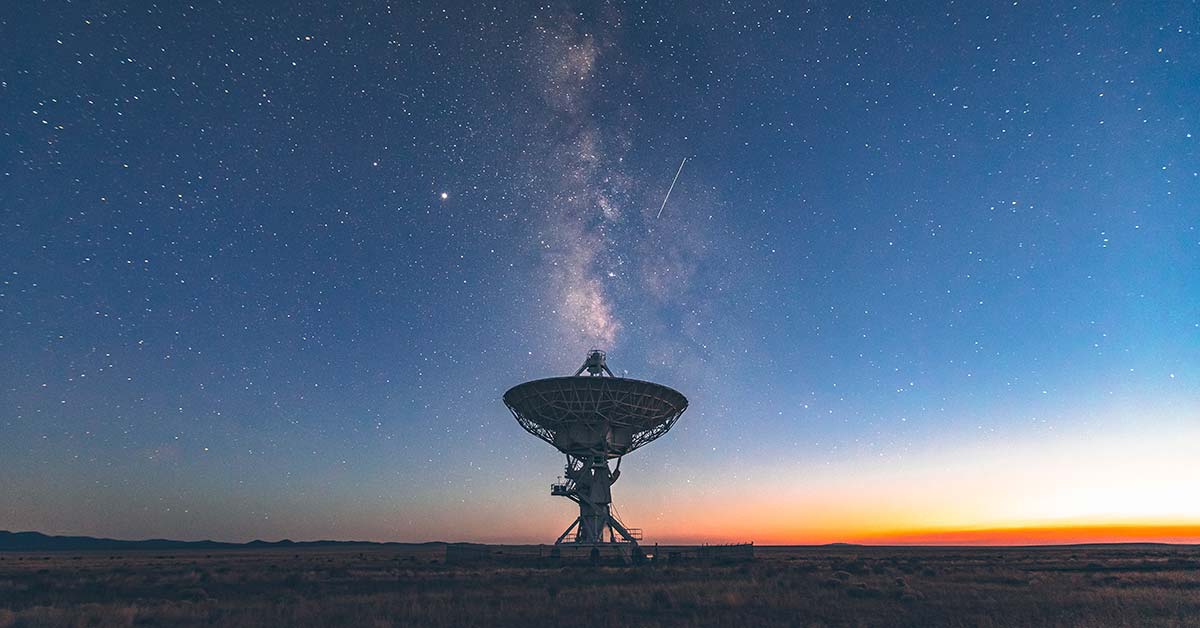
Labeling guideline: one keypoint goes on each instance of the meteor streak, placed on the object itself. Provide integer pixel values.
(664, 203)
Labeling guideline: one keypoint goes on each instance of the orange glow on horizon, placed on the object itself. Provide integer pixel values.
(1044, 535)
(1064, 534)
(1125, 485)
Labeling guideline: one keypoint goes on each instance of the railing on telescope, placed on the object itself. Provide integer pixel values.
(636, 533)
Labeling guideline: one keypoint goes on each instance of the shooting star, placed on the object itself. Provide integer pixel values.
(664, 204)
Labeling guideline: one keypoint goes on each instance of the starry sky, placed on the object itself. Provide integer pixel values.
(928, 273)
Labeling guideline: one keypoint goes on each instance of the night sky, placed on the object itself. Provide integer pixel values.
(266, 271)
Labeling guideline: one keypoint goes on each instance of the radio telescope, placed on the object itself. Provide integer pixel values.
(593, 418)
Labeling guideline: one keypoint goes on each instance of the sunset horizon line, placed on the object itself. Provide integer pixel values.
(997, 536)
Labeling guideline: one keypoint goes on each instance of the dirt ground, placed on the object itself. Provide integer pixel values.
(414, 586)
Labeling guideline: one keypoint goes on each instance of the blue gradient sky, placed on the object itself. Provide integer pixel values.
(925, 269)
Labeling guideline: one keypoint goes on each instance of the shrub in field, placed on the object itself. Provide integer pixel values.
(857, 567)
(861, 590)
(194, 594)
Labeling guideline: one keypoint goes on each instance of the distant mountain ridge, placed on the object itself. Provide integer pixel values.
(38, 542)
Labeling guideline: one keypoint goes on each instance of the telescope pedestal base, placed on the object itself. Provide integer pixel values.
(591, 532)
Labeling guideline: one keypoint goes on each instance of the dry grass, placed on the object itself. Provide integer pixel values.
(784, 587)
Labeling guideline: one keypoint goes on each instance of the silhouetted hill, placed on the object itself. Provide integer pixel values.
(38, 542)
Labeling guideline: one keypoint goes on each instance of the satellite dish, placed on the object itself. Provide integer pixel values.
(592, 419)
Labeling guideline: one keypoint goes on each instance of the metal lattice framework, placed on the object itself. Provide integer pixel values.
(593, 419)
(647, 410)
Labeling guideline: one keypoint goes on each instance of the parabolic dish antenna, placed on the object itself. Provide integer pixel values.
(593, 418)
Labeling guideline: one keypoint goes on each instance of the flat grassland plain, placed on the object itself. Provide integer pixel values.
(784, 586)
